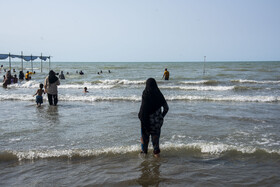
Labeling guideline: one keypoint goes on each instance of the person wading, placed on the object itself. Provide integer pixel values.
(151, 116)
(51, 83)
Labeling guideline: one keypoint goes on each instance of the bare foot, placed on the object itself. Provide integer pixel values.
(156, 155)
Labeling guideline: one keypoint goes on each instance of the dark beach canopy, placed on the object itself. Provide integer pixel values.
(26, 58)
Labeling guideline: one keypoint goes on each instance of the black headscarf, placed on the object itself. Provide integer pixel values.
(52, 77)
(152, 100)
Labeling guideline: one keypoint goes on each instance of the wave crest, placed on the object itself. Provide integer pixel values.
(199, 88)
(218, 149)
(94, 98)
(256, 82)
(206, 82)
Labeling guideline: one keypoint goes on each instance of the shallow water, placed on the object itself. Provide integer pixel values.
(222, 127)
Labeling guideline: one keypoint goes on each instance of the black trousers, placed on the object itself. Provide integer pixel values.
(145, 137)
(52, 99)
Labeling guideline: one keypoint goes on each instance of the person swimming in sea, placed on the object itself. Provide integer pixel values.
(85, 90)
(61, 76)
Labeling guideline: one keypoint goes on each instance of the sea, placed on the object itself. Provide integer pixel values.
(222, 128)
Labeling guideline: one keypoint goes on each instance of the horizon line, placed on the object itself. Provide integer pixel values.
(171, 61)
(211, 61)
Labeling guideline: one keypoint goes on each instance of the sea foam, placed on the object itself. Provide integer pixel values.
(95, 98)
(256, 82)
(202, 148)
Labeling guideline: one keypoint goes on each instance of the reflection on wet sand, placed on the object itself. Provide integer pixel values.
(49, 114)
(150, 173)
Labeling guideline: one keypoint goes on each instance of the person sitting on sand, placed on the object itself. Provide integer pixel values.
(39, 93)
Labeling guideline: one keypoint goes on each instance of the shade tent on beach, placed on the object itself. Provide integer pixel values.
(26, 58)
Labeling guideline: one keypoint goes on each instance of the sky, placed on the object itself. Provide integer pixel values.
(142, 30)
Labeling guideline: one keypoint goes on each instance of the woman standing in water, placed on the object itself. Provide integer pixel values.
(151, 116)
(21, 76)
(51, 83)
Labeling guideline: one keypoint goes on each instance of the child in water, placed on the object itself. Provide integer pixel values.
(39, 93)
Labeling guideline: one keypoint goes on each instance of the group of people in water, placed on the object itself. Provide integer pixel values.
(50, 86)
(99, 73)
(9, 79)
(150, 114)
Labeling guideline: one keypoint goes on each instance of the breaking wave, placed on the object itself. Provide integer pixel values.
(110, 84)
(218, 149)
(206, 82)
(200, 88)
(136, 98)
(200, 85)
(256, 82)
(99, 84)
(117, 81)
(227, 98)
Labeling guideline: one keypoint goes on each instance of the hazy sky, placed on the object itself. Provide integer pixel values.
(142, 30)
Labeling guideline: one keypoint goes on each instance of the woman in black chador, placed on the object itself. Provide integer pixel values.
(151, 116)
